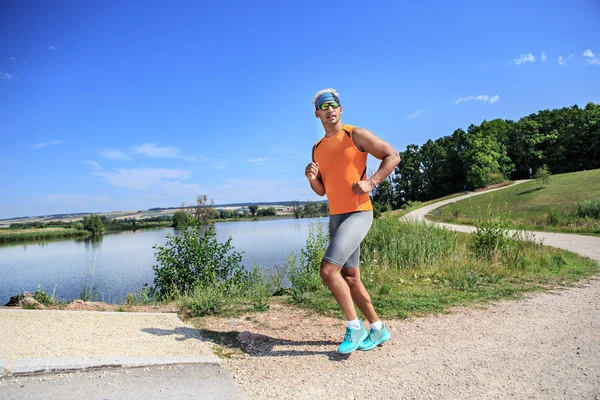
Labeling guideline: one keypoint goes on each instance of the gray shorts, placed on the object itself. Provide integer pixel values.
(346, 231)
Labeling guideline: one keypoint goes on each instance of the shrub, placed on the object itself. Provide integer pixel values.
(42, 297)
(589, 208)
(491, 237)
(303, 281)
(259, 288)
(205, 300)
(193, 261)
(555, 216)
(494, 178)
(313, 251)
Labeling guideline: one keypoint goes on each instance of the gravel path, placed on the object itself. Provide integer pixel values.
(546, 346)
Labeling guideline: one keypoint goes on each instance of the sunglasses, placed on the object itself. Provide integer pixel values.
(325, 106)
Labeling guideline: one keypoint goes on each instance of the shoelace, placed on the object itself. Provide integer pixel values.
(348, 336)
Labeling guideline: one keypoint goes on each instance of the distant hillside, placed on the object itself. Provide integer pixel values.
(155, 209)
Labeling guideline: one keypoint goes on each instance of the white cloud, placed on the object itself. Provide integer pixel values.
(143, 178)
(591, 57)
(524, 58)
(482, 97)
(94, 164)
(52, 47)
(563, 61)
(544, 58)
(260, 159)
(113, 154)
(416, 114)
(46, 144)
(152, 150)
(6, 76)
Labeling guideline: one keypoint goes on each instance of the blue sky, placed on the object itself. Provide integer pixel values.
(110, 105)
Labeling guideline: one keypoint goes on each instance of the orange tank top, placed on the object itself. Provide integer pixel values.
(341, 164)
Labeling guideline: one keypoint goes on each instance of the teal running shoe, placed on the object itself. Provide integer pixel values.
(352, 339)
(375, 338)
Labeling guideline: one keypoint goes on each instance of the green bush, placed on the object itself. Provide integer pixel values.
(555, 216)
(42, 297)
(491, 237)
(589, 208)
(303, 281)
(205, 300)
(195, 260)
(313, 251)
(494, 178)
(260, 288)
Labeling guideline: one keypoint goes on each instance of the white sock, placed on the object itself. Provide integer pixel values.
(354, 324)
(377, 325)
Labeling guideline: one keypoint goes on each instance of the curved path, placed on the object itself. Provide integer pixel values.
(544, 346)
(588, 246)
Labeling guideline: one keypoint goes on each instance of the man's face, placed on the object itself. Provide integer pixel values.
(331, 115)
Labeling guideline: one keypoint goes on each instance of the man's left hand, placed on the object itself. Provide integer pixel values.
(362, 187)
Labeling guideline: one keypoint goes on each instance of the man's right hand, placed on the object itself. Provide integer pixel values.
(312, 171)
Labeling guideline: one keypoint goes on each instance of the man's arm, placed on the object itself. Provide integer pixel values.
(314, 177)
(380, 149)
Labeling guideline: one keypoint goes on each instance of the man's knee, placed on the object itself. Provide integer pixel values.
(328, 270)
(352, 281)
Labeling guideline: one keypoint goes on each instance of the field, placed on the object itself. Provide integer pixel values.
(553, 208)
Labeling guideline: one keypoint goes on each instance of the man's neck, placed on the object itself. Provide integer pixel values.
(331, 130)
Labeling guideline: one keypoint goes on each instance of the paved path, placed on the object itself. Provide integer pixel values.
(588, 246)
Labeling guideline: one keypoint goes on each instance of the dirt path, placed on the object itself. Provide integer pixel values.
(546, 346)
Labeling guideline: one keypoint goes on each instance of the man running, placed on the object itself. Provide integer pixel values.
(339, 170)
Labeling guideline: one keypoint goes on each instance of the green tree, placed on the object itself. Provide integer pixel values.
(542, 176)
(253, 208)
(485, 153)
(93, 224)
(383, 194)
(203, 211)
(408, 179)
(180, 219)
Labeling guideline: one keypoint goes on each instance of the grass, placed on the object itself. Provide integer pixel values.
(526, 206)
(413, 269)
(412, 206)
(430, 270)
(34, 234)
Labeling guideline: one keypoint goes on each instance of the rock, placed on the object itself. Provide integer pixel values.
(31, 303)
(17, 299)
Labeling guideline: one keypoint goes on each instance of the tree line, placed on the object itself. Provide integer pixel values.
(562, 140)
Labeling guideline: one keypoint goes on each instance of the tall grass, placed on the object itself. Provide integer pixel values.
(406, 244)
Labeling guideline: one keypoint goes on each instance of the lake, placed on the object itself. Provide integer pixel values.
(121, 263)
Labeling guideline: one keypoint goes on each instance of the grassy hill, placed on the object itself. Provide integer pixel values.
(554, 208)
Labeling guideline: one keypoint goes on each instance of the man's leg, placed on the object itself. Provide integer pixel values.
(331, 275)
(359, 293)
